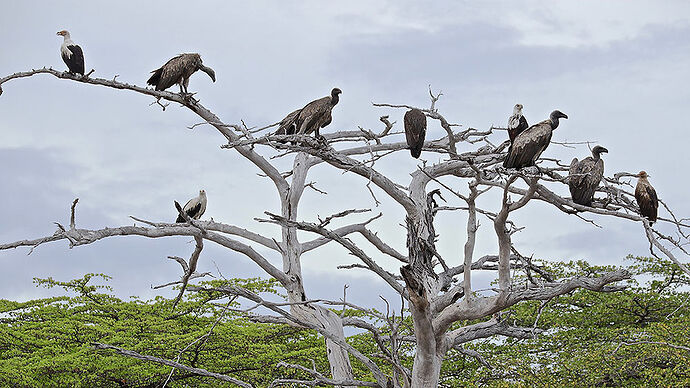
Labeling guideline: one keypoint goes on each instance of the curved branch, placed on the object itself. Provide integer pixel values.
(79, 237)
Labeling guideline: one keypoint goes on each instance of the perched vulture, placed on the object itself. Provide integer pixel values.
(646, 197)
(177, 71)
(314, 116)
(415, 130)
(71, 54)
(516, 123)
(195, 207)
(585, 176)
(528, 145)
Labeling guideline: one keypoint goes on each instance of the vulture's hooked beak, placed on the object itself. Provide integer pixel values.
(604, 150)
(565, 116)
(208, 71)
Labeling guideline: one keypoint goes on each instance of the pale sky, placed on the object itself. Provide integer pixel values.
(619, 69)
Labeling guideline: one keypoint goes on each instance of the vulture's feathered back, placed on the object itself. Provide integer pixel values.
(646, 198)
(195, 207)
(71, 54)
(178, 70)
(529, 144)
(415, 131)
(314, 116)
(585, 175)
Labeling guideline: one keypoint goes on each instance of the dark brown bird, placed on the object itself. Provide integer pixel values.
(177, 71)
(646, 198)
(585, 176)
(314, 116)
(528, 145)
(71, 54)
(415, 131)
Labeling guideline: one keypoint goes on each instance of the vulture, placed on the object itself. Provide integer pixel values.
(71, 54)
(646, 198)
(314, 116)
(415, 130)
(516, 123)
(194, 208)
(585, 175)
(177, 71)
(528, 145)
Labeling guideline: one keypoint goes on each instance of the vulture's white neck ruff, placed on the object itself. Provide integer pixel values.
(64, 49)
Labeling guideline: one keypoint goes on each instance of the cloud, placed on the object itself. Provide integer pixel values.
(619, 69)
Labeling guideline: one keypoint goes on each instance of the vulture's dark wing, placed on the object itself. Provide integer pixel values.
(652, 204)
(516, 126)
(584, 178)
(75, 63)
(288, 126)
(652, 195)
(168, 74)
(193, 211)
(529, 145)
(647, 201)
(415, 131)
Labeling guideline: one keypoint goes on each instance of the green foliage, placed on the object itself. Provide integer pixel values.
(593, 339)
(48, 342)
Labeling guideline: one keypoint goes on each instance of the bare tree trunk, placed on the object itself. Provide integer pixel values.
(422, 283)
(427, 370)
(338, 358)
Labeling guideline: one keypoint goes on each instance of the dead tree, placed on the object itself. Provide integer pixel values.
(437, 290)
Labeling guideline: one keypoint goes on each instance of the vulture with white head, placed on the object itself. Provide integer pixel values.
(517, 123)
(194, 208)
(585, 175)
(178, 70)
(528, 145)
(71, 54)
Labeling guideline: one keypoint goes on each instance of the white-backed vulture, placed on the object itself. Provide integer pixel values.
(646, 198)
(71, 54)
(585, 175)
(194, 208)
(415, 131)
(529, 144)
(177, 71)
(314, 116)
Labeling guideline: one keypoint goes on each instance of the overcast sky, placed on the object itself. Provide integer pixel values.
(619, 69)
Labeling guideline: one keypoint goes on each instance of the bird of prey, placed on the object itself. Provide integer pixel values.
(528, 145)
(194, 208)
(177, 71)
(516, 123)
(314, 116)
(585, 175)
(415, 131)
(646, 198)
(71, 54)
